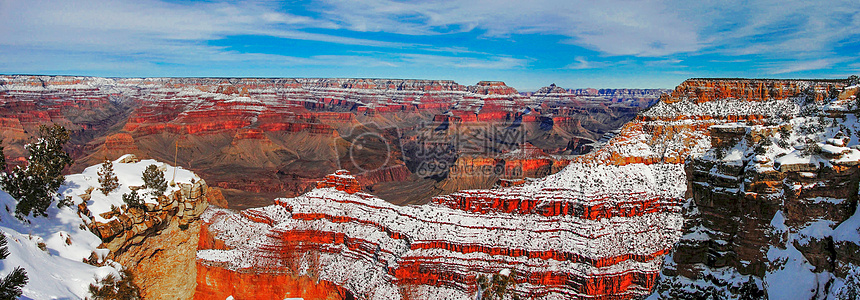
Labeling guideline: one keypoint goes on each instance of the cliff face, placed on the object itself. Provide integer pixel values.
(549, 237)
(772, 209)
(512, 168)
(278, 136)
(757, 90)
(157, 242)
(599, 228)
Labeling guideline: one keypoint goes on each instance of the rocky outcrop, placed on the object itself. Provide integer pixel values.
(157, 242)
(483, 171)
(341, 180)
(134, 224)
(772, 203)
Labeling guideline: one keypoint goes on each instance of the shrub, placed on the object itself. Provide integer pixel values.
(853, 80)
(833, 93)
(132, 199)
(810, 148)
(65, 201)
(496, 287)
(2, 158)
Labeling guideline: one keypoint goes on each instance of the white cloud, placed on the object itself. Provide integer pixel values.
(581, 63)
(784, 29)
(641, 28)
(801, 66)
(153, 29)
(493, 62)
(788, 29)
(130, 34)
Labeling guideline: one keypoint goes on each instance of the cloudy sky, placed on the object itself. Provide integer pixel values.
(527, 44)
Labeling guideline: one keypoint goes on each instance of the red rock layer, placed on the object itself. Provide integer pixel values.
(217, 123)
(705, 90)
(483, 202)
(219, 283)
(619, 200)
(433, 252)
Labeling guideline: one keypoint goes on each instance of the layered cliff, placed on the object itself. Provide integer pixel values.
(773, 203)
(157, 241)
(599, 228)
(572, 239)
(280, 135)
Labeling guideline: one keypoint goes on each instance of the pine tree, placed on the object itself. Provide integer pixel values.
(10, 286)
(112, 287)
(36, 184)
(132, 199)
(154, 179)
(2, 158)
(107, 178)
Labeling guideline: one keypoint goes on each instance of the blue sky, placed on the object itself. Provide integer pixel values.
(527, 44)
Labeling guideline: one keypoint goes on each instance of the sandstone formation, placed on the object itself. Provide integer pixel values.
(157, 242)
(438, 249)
(600, 228)
(772, 210)
(279, 136)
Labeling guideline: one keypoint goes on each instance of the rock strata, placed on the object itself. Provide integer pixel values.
(158, 241)
(281, 135)
(600, 228)
(772, 203)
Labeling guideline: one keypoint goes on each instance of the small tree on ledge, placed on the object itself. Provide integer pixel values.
(132, 199)
(154, 179)
(107, 178)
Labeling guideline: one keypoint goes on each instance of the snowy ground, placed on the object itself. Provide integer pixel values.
(58, 271)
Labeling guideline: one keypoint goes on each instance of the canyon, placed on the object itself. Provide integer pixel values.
(725, 188)
(277, 137)
(600, 228)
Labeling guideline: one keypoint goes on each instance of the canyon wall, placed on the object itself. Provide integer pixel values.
(281, 135)
(558, 241)
(600, 228)
(773, 203)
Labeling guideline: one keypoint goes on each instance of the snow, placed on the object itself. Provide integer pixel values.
(129, 175)
(848, 230)
(791, 277)
(797, 158)
(697, 234)
(836, 142)
(816, 230)
(833, 150)
(59, 272)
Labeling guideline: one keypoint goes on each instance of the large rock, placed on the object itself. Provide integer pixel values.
(761, 212)
(158, 243)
